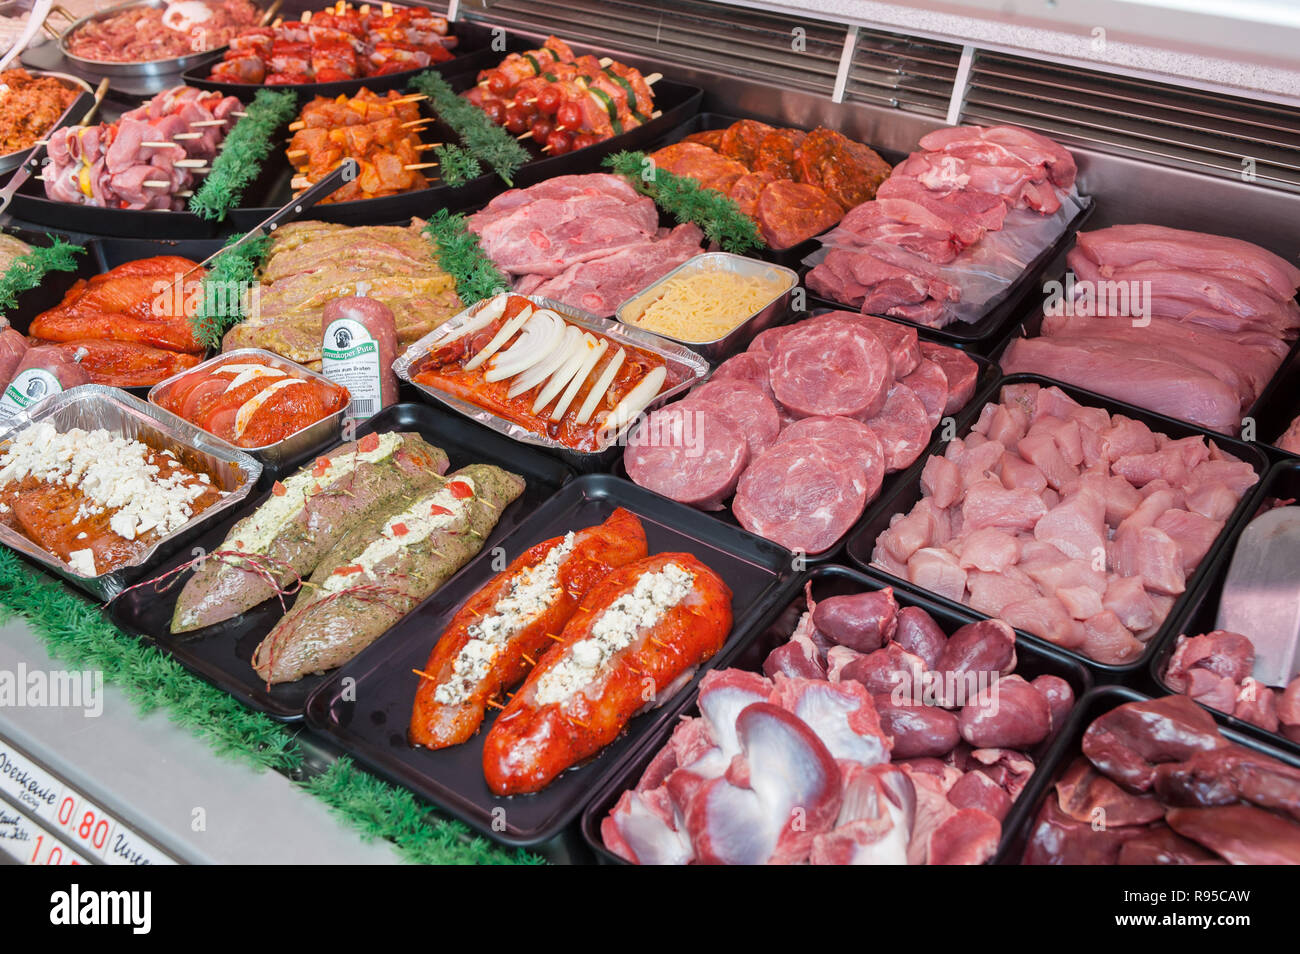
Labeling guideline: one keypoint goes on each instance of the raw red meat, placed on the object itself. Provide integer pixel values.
(960, 370)
(832, 368)
(903, 426)
(690, 454)
(793, 495)
(750, 412)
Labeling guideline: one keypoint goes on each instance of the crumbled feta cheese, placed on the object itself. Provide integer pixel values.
(255, 532)
(83, 562)
(528, 595)
(111, 471)
(616, 629)
(413, 525)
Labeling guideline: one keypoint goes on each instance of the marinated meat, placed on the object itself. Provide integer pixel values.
(790, 212)
(847, 171)
(742, 140)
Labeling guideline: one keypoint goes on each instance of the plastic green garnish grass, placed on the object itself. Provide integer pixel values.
(488, 143)
(240, 160)
(76, 631)
(25, 272)
(456, 165)
(717, 215)
(228, 276)
(461, 257)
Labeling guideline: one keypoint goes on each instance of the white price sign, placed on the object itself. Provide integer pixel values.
(60, 807)
(30, 843)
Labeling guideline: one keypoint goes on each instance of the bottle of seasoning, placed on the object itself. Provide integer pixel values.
(358, 348)
(42, 373)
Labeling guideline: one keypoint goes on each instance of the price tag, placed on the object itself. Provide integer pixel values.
(29, 842)
(57, 806)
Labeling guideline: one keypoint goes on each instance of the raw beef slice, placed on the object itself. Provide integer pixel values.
(831, 368)
(689, 454)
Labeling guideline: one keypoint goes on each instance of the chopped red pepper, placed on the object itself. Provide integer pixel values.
(322, 465)
(368, 443)
(279, 489)
(400, 530)
(349, 570)
(438, 511)
(460, 490)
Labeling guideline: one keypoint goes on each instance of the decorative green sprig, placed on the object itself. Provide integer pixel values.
(26, 271)
(682, 198)
(241, 157)
(76, 631)
(461, 257)
(487, 142)
(229, 276)
(456, 165)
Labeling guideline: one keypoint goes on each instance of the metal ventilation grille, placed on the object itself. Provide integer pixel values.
(705, 36)
(903, 73)
(1206, 132)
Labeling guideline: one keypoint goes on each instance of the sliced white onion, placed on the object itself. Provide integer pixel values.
(490, 312)
(584, 371)
(538, 373)
(499, 340)
(636, 400)
(560, 379)
(252, 373)
(539, 338)
(598, 389)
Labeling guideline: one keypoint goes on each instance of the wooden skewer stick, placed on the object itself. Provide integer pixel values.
(294, 153)
(190, 163)
(410, 98)
(306, 16)
(208, 122)
(300, 182)
(416, 122)
(191, 135)
(605, 61)
(653, 78)
(525, 135)
(412, 167)
(157, 183)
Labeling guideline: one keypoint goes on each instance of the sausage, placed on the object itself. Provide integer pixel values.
(582, 693)
(790, 212)
(13, 346)
(358, 348)
(451, 700)
(42, 372)
(689, 454)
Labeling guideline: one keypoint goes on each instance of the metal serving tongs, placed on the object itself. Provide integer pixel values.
(345, 171)
(34, 161)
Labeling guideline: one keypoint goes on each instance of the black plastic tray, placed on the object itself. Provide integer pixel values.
(1095, 704)
(1004, 308)
(702, 122)
(675, 102)
(473, 51)
(1032, 660)
(374, 727)
(221, 654)
(908, 491)
(53, 286)
(988, 377)
(1273, 411)
(1199, 617)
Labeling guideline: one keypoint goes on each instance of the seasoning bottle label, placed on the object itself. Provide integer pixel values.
(350, 357)
(29, 388)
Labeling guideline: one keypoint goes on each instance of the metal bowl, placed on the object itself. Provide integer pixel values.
(12, 160)
(143, 68)
(739, 337)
